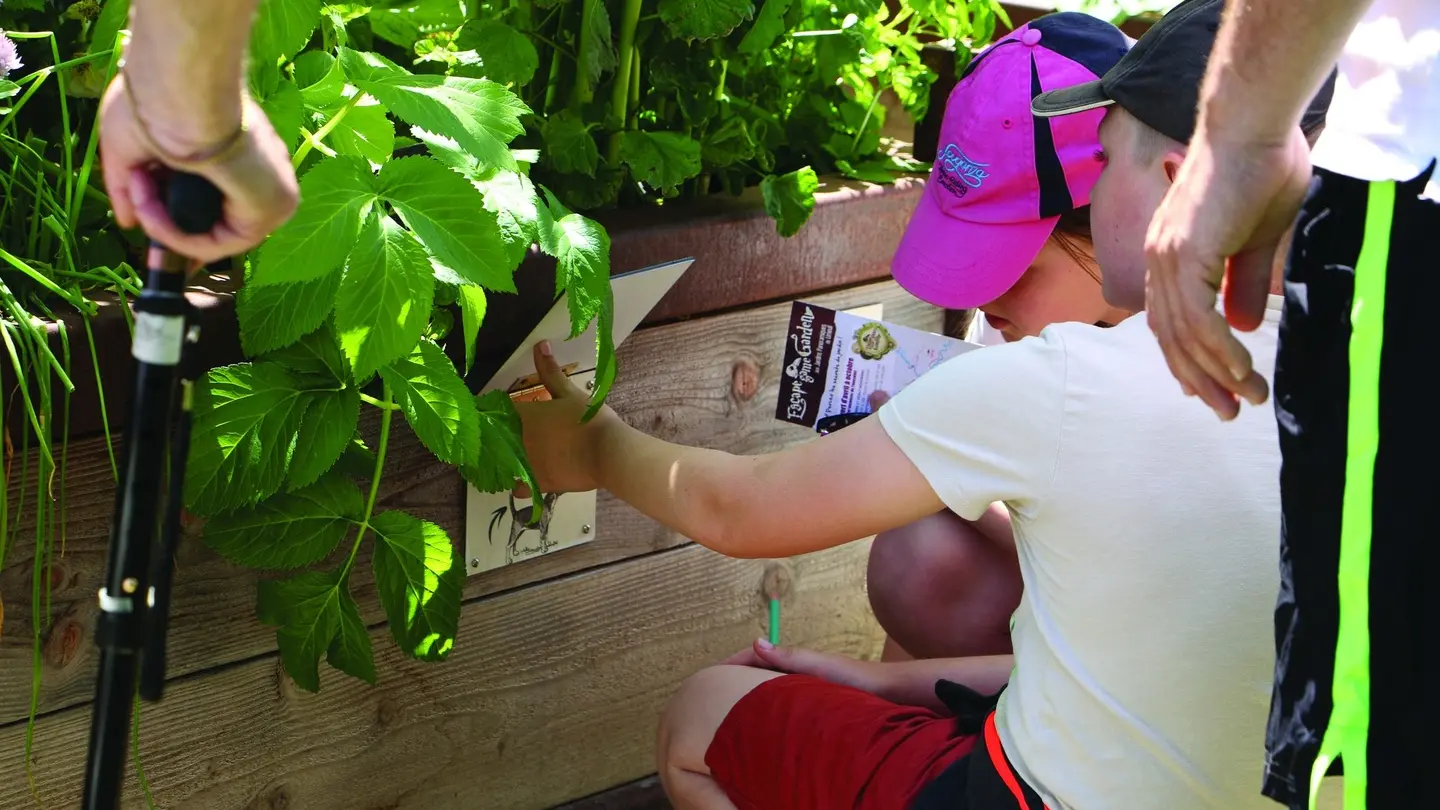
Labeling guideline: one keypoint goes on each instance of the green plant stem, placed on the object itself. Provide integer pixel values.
(39, 278)
(91, 148)
(634, 90)
(100, 389)
(385, 415)
(620, 88)
(864, 122)
(387, 406)
(324, 132)
(139, 766)
(584, 90)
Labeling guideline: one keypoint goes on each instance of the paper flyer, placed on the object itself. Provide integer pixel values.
(835, 360)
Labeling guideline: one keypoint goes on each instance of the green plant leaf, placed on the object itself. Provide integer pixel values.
(480, 115)
(114, 17)
(582, 268)
(404, 23)
(704, 19)
(448, 151)
(367, 132)
(436, 403)
(350, 652)
(277, 315)
(315, 361)
(321, 82)
(790, 198)
(502, 451)
(502, 54)
(285, 108)
(246, 420)
(8, 89)
(523, 219)
(282, 27)
(769, 25)
(606, 365)
(358, 461)
(419, 576)
(472, 314)
(871, 171)
(727, 144)
(662, 160)
(306, 610)
(448, 215)
(290, 530)
(599, 50)
(569, 146)
(329, 422)
(384, 299)
(334, 198)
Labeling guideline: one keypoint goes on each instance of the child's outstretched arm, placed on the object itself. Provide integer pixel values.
(825, 492)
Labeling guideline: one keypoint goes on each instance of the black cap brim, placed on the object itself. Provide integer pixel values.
(1071, 100)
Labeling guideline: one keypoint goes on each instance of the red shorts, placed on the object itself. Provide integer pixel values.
(800, 743)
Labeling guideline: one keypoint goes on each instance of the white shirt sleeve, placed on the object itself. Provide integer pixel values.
(985, 426)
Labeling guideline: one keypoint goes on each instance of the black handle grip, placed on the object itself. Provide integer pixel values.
(194, 202)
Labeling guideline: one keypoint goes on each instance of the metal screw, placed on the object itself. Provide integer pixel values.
(589, 385)
(475, 562)
(586, 529)
(130, 585)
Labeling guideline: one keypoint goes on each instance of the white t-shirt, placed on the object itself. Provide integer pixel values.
(1384, 122)
(1148, 537)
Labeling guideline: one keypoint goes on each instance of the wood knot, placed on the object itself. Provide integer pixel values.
(276, 798)
(777, 582)
(386, 713)
(62, 646)
(745, 380)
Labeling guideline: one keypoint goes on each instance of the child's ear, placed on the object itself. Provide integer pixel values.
(1172, 163)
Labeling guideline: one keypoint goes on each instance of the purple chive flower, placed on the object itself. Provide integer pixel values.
(9, 57)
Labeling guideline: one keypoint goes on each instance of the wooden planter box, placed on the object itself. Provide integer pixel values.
(553, 653)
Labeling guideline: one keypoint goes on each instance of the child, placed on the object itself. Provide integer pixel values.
(1142, 657)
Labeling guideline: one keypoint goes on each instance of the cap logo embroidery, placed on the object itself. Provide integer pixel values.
(957, 168)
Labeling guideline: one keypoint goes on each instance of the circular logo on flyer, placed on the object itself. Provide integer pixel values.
(873, 341)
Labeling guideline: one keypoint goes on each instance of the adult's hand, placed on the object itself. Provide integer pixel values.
(1232, 201)
(255, 177)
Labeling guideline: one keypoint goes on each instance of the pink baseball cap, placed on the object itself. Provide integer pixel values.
(1002, 177)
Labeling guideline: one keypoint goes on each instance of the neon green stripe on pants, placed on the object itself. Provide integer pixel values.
(1348, 733)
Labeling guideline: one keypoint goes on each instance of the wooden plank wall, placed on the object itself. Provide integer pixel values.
(561, 666)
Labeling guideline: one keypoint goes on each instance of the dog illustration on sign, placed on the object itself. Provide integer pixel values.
(521, 520)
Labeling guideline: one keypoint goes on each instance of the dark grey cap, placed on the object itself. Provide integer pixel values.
(1159, 80)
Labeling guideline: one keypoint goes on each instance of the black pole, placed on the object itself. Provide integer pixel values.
(121, 631)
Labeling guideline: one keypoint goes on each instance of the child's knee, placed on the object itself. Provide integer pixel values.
(693, 715)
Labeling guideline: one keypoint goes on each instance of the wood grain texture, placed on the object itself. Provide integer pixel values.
(710, 382)
(552, 694)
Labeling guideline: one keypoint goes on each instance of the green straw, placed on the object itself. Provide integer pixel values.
(774, 621)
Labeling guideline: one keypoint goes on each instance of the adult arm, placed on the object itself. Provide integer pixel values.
(1239, 190)
(180, 102)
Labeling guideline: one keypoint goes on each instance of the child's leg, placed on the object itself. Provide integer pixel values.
(688, 726)
(945, 587)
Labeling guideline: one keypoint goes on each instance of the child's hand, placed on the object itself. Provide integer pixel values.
(562, 450)
(866, 676)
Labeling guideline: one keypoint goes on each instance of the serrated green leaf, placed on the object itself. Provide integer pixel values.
(448, 215)
(290, 530)
(277, 315)
(8, 89)
(582, 268)
(334, 198)
(329, 422)
(321, 82)
(790, 198)
(367, 132)
(404, 23)
(569, 146)
(436, 403)
(315, 361)
(357, 461)
(606, 365)
(448, 151)
(384, 299)
(246, 420)
(419, 576)
(472, 314)
(769, 25)
(662, 160)
(523, 219)
(285, 108)
(481, 115)
(501, 53)
(306, 611)
(870, 171)
(282, 27)
(502, 450)
(351, 652)
(704, 19)
(598, 49)
(727, 144)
